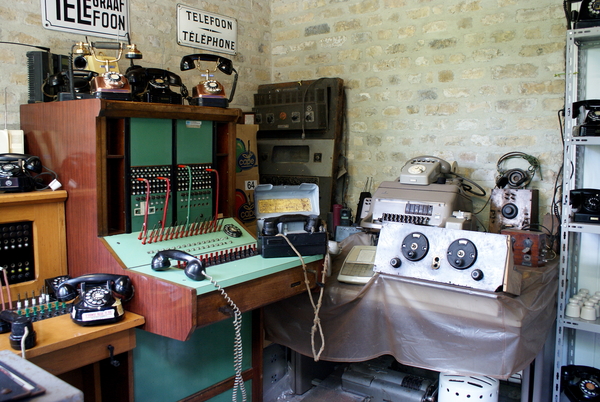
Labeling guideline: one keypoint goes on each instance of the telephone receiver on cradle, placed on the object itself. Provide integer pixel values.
(210, 92)
(581, 383)
(154, 85)
(424, 170)
(100, 297)
(296, 222)
(193, 266)
(16, 172)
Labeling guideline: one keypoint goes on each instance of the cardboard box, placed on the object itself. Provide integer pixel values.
(246, 172)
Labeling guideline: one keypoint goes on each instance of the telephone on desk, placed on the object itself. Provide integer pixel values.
(100, 297)
(16, 170)
(154, 85)
(210, 92)
(425, 170)
(581, 383)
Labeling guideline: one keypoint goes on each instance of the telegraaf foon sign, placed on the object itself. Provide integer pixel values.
(204, 30)
(103, 18)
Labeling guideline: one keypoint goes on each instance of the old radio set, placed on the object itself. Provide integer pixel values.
(292, 213)
(299, 134)
(456, 257)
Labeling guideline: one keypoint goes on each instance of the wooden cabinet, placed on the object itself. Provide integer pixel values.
(86, 143)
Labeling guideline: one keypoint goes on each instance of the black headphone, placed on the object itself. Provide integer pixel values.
(516, 178)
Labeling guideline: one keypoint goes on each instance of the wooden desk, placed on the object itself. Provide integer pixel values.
(63, 346)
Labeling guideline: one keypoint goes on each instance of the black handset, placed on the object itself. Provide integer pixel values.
(193, 266)
(20, 326)
(580, 383)
(270, 225)
(100, 297)
(223, 64)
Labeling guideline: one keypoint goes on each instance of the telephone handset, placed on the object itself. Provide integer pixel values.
(581, 383)
(210, 92)
(289, 224)
(424, 170)
(194, 268)
(591, 123)
(100, 297)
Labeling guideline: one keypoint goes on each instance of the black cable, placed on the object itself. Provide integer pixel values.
(45, 49)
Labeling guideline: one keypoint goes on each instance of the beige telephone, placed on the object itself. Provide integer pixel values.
(424, 170)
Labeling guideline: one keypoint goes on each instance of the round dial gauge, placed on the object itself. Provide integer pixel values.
(416, 169)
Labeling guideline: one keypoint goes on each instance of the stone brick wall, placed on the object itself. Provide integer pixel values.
(464, 80)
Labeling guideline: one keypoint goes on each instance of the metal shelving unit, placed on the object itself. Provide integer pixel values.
(578, 340)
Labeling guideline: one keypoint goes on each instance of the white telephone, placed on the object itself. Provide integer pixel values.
(424, 170)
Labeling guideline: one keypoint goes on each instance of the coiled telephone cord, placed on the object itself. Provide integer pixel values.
(238, 382)
(316, 307)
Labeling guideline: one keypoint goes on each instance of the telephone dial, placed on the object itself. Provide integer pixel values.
(154, 85)
(210, 92)
(424, 170)
(581, 383)
(194, 268)
(99, 297)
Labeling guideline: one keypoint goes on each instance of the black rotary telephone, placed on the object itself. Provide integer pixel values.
(580, 383)
(100, 297)
(154, 85)
(194, 268)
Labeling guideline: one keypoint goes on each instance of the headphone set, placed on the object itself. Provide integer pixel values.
(515, 177)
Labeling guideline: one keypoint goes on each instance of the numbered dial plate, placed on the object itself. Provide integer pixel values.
(462, 253)
(415, 246)
(97, 297)
(232, 230)
(212, 86)
(416, 169)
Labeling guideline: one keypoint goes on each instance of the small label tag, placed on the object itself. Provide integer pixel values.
(193, 123)
(98, 315)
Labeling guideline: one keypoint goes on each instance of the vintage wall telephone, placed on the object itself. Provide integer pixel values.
(154, 85)
(16, 172)
(100, 297)
(580, 383)
(424, 170)
(210, 92)
(587, 16)
(591, 124)
(516, 177)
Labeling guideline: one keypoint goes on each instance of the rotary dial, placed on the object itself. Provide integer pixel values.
(416, 169)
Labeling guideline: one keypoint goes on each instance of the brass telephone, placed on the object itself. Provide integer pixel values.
(210, 92)
(110, 84)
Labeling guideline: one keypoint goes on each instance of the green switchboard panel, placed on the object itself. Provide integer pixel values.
(168, 370)
(169, 155)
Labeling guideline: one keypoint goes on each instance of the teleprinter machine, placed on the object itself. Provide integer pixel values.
(434, 204)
